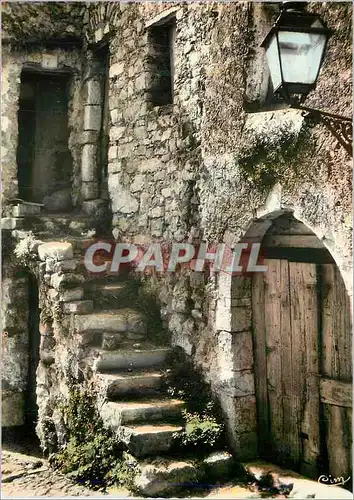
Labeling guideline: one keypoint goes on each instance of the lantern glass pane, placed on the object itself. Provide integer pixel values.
(301, 55)
(274, 62)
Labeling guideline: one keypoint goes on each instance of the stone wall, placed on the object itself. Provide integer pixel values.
(31, 22)
(15, 343)
(205, 169)
(63, 356)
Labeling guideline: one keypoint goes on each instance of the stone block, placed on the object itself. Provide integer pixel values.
(219, 465)
(26, 209)
(242, 351)
(236, 384)
(235, 351)
(89, 137)
(245, 446)
(89, 163)
(92, 117)
(114, 167)
(116, 133)
(65, 265)
(240, 413)
(94, 208)
(49, 265)
(99, 34)
(223, 315)
(123, 320)
(12, 409)
(93, 92)
(89, 190)
(49, 61)
(112, 153)
(71, 295)
(122, 200)
(53, 294)
(116, 69)
(156, 227)
(57, 250)
(160, 476)
(138, 183)
(12, 223)
(66, 281)
(157, 212)
(241, 319)
(241, 287)
(78, 307)
(166, 193)
(151, 165)
(115, 114)
(110, 342)
(58, 201)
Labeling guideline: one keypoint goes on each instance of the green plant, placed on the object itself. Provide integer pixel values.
(264, 162)
(203, 423)
(201, 430)
(93, 455)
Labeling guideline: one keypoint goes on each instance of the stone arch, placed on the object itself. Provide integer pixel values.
(234, 330)
(275, 207)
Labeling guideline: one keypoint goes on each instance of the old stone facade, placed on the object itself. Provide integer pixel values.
(218, 161)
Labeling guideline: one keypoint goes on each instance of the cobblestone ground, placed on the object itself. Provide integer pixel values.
(30, 476)
(25, 475)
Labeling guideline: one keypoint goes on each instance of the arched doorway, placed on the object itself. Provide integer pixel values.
(302, 353)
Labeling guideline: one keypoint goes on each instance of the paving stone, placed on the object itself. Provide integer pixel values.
(219, 465)
(161, 476)
(57, 250)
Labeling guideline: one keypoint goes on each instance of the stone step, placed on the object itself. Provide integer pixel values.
(148, 440)
(135, 384)
(128, 412)
(140, 358)
(115, 290)
(100, 279)
(111, 295)
(122, 320)
(69, 222)
(79, 243)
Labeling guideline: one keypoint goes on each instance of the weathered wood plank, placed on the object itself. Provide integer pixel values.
(297, 359)
(260, 362)
(336, 326)
(338, 439)
(293, 241)
(290, 438)
(273, 349)
(304, 317)
(336, 365)
(335, 392)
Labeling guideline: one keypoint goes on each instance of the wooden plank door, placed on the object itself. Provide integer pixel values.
(285, 317)
(336, 369)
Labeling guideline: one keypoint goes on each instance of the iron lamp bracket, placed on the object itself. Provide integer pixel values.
(340, 126)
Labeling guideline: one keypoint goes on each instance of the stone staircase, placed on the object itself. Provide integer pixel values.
(128, 364)
(126, 356)
(127, 369)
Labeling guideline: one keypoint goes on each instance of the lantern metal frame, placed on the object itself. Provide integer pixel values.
(293, 17)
